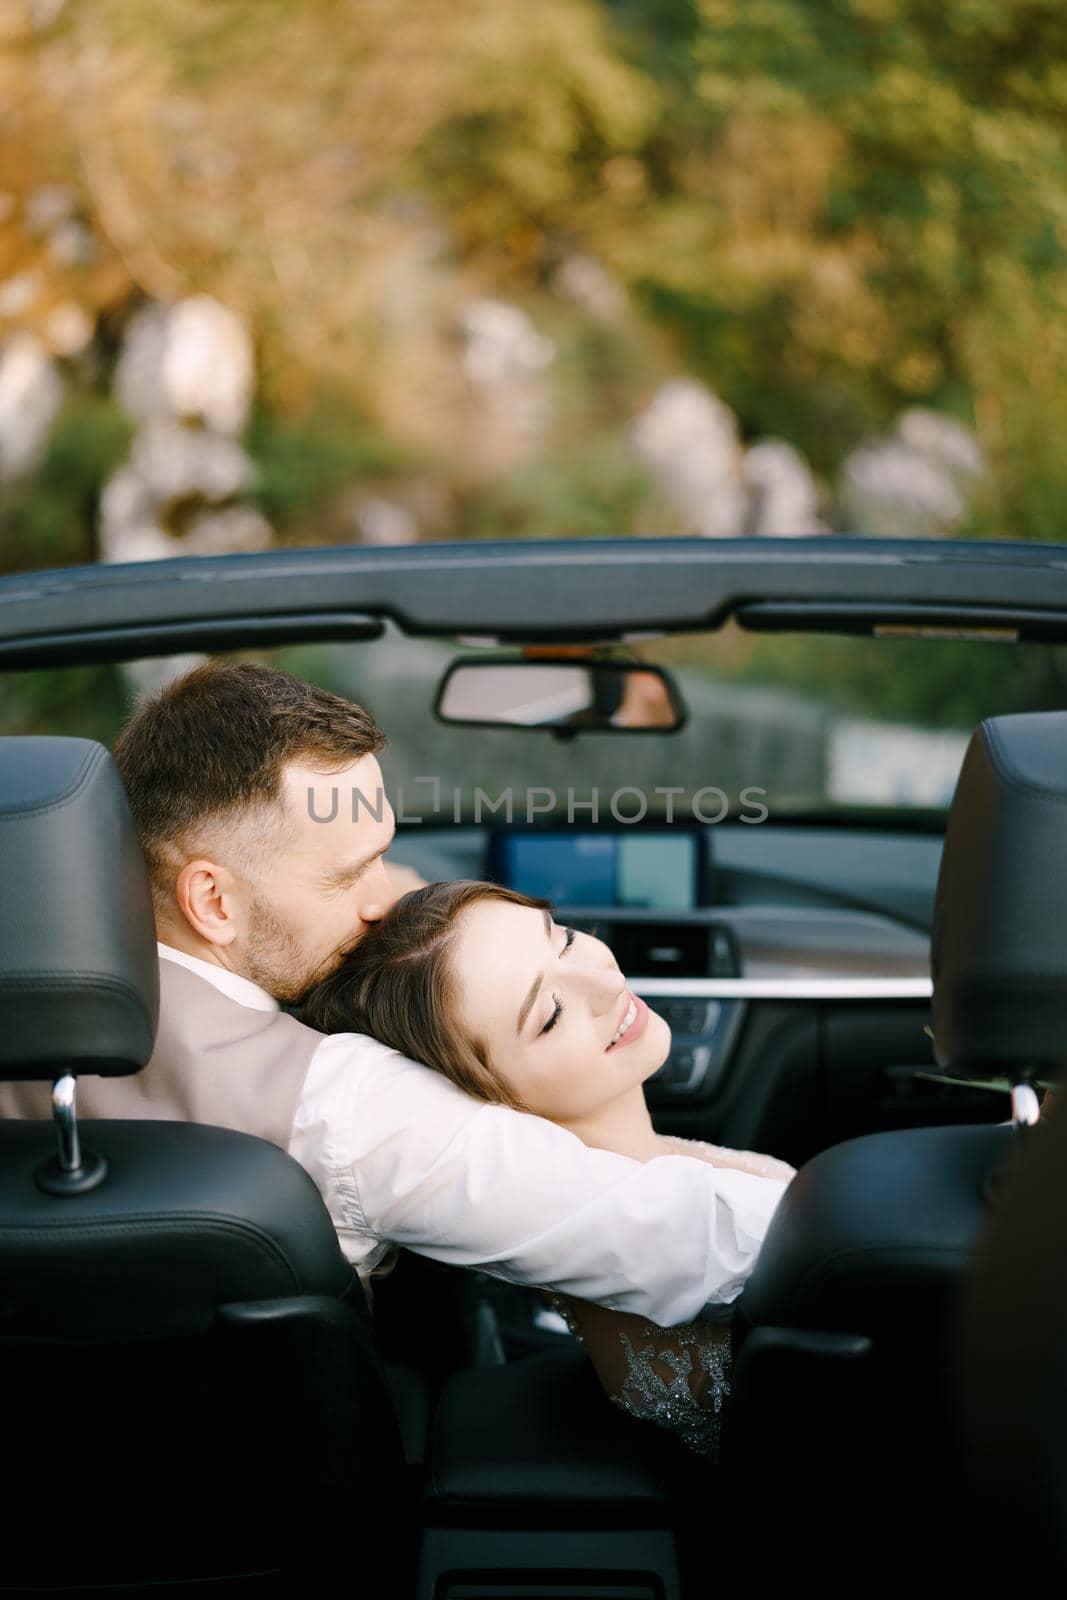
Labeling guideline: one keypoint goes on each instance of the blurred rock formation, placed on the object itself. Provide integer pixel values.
(31, 392)
(185, 374)
(586, 284)
(505, 361)
(916, 481)
(783, 495)
(691, 442)
(688, 439)
(192, 362)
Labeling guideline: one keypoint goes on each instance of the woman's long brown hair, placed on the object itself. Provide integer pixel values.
(397, 984)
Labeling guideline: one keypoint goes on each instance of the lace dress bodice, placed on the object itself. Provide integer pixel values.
(678, 1377)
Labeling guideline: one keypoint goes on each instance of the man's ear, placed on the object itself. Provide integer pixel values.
(208, 899)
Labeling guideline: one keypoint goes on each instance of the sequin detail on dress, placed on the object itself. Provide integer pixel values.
(671, 1404)
(645, 1394)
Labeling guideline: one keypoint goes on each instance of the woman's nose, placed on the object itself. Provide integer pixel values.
(600, 979)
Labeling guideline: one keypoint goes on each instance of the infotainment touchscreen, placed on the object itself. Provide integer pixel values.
(655, 871)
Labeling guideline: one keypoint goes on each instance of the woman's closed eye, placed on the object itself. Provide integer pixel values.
(558, 1010)
(556, 1014)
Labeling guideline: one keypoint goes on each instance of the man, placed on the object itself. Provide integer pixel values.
(261, 811)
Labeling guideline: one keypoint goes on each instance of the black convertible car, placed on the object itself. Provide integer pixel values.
(736, 760)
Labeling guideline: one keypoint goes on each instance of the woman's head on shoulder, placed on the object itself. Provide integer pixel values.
(482, 984)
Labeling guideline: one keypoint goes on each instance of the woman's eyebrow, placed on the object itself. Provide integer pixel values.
(524, 1009)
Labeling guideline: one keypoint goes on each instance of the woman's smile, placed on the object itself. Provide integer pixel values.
(632, 1024)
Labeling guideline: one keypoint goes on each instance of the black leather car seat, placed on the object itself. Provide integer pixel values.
(191, 1389)
(1005, 1009)
(845, 1330)
(1008, 1377)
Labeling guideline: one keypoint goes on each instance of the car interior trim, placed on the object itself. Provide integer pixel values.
(673, 585)
(785, 988)
(141, 641)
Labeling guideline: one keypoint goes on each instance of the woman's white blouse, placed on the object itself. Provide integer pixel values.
(401, 1156)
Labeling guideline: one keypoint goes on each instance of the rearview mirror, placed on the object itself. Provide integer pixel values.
(561, 695)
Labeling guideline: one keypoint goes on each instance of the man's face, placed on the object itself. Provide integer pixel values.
(311, 897)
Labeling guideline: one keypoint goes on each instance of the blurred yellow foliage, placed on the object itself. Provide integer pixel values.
(827, 212)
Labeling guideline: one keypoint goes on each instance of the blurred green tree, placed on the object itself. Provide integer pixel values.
(829, 209)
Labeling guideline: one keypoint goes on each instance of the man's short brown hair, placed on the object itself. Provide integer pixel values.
(207, 752)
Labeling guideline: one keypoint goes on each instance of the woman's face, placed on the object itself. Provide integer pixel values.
(548, 1005)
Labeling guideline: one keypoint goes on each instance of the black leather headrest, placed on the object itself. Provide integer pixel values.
(190, 1217)
(79, 970)
(866, 1218)
(998, 949)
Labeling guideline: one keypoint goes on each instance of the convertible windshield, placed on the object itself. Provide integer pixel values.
(777, 725)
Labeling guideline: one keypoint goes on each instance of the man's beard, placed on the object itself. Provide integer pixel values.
(273, 958)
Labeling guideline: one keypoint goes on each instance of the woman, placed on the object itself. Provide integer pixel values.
(482, 985)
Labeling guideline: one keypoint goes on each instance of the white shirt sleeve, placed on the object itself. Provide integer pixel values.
(402, 1155)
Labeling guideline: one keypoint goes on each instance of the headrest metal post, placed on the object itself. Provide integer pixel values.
(71, 1171)
(65, 1117)
(1025, 1107)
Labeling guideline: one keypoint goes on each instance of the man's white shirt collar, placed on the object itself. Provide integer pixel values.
(243, 990)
